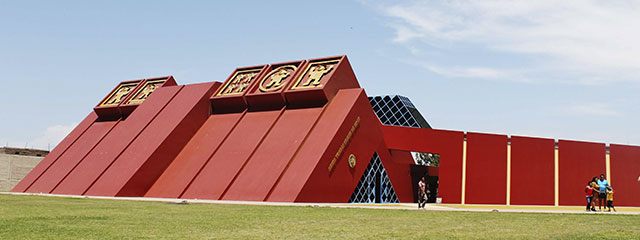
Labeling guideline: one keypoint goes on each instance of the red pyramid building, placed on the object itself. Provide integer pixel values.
(305, 131)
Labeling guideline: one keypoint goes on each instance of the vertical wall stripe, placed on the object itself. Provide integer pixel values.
(608, 165)
(464, 168)
(556, 187)
(509, 172)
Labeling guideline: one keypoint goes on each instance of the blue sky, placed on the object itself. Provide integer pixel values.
(559, 70)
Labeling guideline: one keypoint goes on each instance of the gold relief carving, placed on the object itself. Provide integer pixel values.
(144, 92)
(314, 74)
(344, 145)
(276, 78)
(118, 95)
(239, 82)
(352, 161)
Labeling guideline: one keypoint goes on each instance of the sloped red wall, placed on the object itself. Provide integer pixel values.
(58, 151)
(323, 142)
(336, 184)
(76, 153)
(102, 156)
(274, 154)
(133, 172)
(195, 155)
(224, 165)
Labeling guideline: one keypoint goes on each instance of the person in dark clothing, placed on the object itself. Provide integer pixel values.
(422, 193)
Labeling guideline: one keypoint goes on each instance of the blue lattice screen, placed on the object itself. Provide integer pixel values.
(375, 185)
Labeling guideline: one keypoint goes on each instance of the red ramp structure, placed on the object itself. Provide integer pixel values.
(305, 131)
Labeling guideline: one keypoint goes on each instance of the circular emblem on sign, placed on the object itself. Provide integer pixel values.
(352, 161)
(275, 79)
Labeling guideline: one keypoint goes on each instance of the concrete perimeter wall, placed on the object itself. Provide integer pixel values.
(13, 168)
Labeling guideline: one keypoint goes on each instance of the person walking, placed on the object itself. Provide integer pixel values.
(422, 193)
(602, 191)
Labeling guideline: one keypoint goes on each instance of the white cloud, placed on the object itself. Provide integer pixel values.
(468, 72)
(593, 110)
(592, 42)
(52, 136)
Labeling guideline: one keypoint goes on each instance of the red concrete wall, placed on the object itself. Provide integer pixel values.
(532, 171)
(103, 155)
(137, 168)
(398, 166)
(58, 151)
(486, 179)
(224, 165)
(578, 163)
(189, 162)
(273, 155)
(76, 153)
(625, 170)
(338, 184)
(322, 142)
(446, 143)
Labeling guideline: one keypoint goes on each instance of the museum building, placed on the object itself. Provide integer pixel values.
(305, 131)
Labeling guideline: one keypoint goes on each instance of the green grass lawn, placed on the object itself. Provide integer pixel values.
(33, 217)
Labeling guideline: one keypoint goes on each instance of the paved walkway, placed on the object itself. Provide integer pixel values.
(396, 206)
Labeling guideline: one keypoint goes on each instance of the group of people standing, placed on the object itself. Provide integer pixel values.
(598, 192)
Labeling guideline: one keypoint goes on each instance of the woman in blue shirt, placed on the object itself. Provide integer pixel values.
(602, 185)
